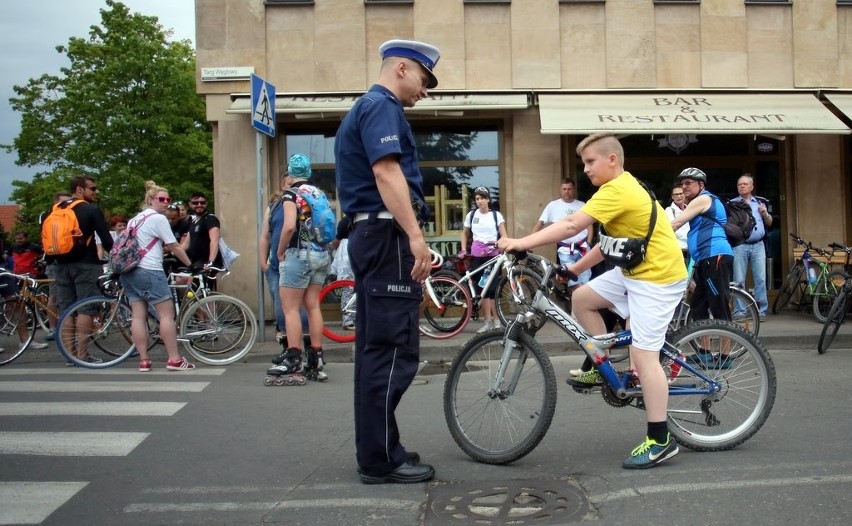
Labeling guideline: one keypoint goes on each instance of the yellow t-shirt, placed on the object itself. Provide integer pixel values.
(624, 208)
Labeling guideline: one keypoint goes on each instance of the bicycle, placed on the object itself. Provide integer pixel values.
(840, 308)
(21, 315)
(442, 302)
(819, 289)
(500, 393)
(214, 328)
(740, 301)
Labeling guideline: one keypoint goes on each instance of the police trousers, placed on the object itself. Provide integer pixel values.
(387, 341)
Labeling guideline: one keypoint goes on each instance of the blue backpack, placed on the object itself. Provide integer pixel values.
(316, 214)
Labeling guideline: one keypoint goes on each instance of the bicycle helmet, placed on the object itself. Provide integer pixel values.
(693, 173)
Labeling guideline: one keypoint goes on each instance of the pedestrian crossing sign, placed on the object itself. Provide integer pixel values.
(262, 106)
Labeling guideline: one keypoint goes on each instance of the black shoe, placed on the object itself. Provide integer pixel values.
(407, 473)
(410, 456)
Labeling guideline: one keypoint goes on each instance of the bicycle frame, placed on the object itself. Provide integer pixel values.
(496, 264)
(595, 347)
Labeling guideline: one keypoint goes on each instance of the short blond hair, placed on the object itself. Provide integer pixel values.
(605, 143)
(151, 190)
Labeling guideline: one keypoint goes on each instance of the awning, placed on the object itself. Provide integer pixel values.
(692, 112)
(841, 101)
(339, 103)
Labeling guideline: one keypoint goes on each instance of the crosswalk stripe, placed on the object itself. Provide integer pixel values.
(32, 371)
(344, 504)
(90, 408)
(69, 443)
(101, 387)
(32, 502)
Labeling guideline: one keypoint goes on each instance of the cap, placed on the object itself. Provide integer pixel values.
(299, 166)
(482, 191)
(424, 54)
(693, 173)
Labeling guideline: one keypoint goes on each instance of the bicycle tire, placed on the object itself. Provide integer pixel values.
(827, 290)
(14, 312)
(785, 294)
(733, 414)
(527, 282)
(110, 340)
(333, 294)
(452, 313)
(452, 274)
(42, 295)
(503, 426)
(750, 320)
(218, 329)
(835, 318)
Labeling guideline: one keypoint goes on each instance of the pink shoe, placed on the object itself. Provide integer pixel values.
(145, 366)
(180, 365)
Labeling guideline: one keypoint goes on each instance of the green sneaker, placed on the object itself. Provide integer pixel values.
(587, 379)
(649, 453)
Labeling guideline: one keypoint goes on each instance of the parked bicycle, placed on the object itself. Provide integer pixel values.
(500, 392)
(22, 314)
(840, 308)
(811, 281)
(214, 328)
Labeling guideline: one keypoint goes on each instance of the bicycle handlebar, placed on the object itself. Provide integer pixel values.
(838, 246)
(20, 277)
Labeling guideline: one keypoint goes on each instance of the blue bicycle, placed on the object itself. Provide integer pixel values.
(500, 392)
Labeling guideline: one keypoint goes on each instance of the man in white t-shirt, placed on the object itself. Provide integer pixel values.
(572, 249)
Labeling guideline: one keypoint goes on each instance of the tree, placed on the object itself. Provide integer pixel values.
(124, 111)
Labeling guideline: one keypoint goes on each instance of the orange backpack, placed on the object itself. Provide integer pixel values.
(60, 232)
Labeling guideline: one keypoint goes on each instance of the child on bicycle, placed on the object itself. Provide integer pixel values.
(645, 294)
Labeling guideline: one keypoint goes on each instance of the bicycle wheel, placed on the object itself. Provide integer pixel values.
(526, 284)
(42, 314)
(749, 318)
(452, 312)
(834, 319)
(17, 327)
(499, 424)
(106, 341)
(826, 291)
(746, 386)
(218, 329)
(339, 296)
(791, 281)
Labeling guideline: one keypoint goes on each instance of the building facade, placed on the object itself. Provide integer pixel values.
(730, 86)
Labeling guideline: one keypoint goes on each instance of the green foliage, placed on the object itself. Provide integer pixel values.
(124, 111)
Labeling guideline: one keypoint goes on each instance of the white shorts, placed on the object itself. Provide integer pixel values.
(651, 304)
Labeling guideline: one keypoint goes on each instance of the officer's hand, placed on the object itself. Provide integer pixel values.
(422, 259)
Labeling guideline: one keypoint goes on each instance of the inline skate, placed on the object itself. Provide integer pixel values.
(314, 367)
(289, 370)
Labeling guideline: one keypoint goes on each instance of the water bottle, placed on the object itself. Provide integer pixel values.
(484, 279)
(812, 275)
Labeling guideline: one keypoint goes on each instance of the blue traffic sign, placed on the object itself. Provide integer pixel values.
(262, 106)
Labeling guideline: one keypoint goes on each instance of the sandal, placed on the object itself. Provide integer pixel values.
(144, 366)
(180, 365)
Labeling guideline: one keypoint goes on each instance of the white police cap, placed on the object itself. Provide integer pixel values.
(424, 54)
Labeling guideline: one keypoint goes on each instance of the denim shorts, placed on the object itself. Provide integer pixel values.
(302, 267)
(150, 286)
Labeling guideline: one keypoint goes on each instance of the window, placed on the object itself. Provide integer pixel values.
(844, 2)
(291, 2)
(581, 1)
(769, 1)
(388, 1)
(677, 1)
(488, 1)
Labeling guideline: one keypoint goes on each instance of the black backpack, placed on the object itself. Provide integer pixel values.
(740, 223)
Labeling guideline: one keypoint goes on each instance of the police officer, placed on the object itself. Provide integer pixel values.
(377, 164)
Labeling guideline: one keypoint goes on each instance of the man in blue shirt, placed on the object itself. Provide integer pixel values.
(376, 165)
(753, 250)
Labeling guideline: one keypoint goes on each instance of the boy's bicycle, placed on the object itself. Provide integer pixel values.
(818, 290)
(214, 328)
(500, 392)
(21, 314)
(839, 310)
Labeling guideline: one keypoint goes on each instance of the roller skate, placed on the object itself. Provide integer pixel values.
(313, 369)
(288, 372)
(278, 360)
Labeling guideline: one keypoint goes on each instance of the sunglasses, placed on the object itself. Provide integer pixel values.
(92, 188)
(194, 203)
(164, 199)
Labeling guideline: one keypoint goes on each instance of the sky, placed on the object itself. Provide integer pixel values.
(30, 30)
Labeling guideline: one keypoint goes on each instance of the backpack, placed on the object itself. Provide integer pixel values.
(316, 214)
(741, 222)
(60, 232)
(125, 254)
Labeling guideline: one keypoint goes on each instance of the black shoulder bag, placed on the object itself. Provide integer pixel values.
(627, 252)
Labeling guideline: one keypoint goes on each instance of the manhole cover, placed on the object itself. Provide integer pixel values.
(515, 502)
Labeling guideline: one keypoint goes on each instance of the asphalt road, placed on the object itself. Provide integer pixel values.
(220, 448)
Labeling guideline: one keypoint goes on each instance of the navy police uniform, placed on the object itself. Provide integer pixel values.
(387, 344)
